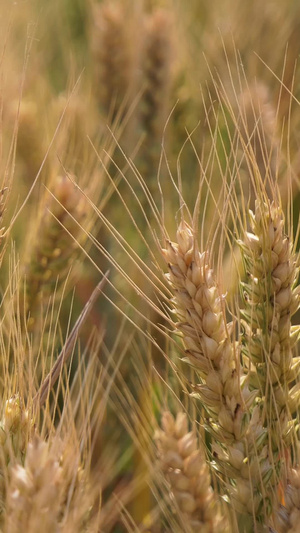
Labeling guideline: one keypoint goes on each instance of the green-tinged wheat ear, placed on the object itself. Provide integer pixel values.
(188, 476)
(112, 58)
(156, 83)
(235, 422)
(53, 248)
(271, 298)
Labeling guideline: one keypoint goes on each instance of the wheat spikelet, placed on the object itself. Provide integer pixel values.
(188, 475)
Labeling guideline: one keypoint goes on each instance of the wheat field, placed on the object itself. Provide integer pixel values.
(149, 253)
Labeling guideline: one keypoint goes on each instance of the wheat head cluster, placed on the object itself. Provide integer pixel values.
(149, 255)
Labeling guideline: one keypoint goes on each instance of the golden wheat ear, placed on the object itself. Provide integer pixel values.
(199, 308)
(188, 476)
(35, 490)
(51, 490)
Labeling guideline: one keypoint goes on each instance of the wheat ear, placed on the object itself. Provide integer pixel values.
(53, 248)
(50, 489)
(271, 298)
(34, 492)
(188, 476)
(199, 309)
